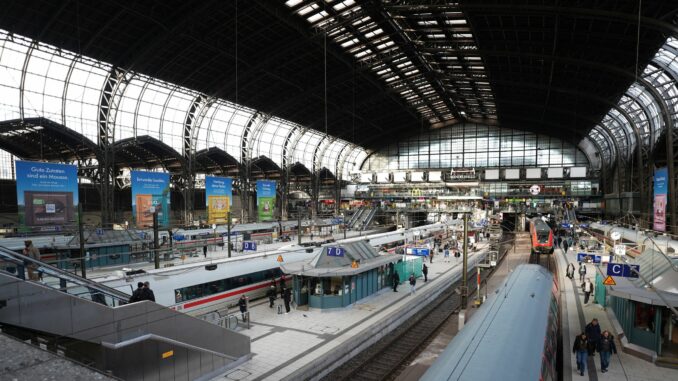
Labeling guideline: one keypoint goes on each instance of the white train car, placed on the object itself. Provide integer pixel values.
(638, 238)
(205, 286)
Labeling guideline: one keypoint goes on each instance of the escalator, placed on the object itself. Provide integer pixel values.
(356, 217)
(94, 324)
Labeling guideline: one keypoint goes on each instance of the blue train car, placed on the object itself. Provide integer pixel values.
(513, 337)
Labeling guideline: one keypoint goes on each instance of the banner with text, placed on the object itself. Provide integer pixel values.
(219, 198)
(150, 192)
(47, 195)
(265, 199)
(660, 197)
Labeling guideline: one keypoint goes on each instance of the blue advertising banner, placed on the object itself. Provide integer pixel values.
(150, 190)
(420, 251)
(218, 199)
(589, 258)
(660, 197)
(47, 195)
(265, 199)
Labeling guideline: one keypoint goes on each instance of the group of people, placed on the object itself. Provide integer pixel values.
(285, 294)
(143, 292)
(586, 284)
(592, 340)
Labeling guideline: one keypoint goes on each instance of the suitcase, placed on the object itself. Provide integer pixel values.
(279, 309)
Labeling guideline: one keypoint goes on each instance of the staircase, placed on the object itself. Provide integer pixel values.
(94, 324)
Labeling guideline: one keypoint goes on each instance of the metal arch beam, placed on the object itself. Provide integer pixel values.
(671, 142)
(192, 121)
(668, 127)
(603, 169)
(628, 149)
(648, 22)
(285, 172)
(619, 162)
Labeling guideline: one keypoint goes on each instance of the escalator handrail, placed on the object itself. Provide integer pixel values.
(17, 258)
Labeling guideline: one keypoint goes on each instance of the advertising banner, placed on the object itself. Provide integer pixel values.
(265, 199)
(150, 190)
(218, 199)
(47, 195)
(660, 197)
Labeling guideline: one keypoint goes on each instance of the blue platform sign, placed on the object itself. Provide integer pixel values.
(623, 270)
(249, 246)
(335, 251)
(420, 251)
(582, 257)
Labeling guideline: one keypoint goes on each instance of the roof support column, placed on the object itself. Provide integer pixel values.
(111, 95)
(194, 117)
(285, 175)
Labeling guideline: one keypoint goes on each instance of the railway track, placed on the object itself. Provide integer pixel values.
(385, 359)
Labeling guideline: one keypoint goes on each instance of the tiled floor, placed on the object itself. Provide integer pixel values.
(284, 343)
(575, 317)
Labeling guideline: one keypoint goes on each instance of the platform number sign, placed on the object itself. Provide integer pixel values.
(335, 251)
(623, 270)
(249, 246)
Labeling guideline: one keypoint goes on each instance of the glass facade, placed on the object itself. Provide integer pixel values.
(40, 80)
(479, 146)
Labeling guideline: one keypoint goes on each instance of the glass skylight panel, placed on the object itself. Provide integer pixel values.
(317, 16)
(293, 3)
(307, 9)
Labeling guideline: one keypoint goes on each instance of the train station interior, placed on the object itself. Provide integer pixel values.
(285, 189)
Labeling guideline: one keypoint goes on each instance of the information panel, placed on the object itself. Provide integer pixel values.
(265, 199)
(218, 199)
(47, 195)
(660, 197)
(150, 191)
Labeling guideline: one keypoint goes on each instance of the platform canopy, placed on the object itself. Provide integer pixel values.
(326, 265)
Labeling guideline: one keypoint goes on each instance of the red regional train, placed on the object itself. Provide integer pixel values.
(541, 236)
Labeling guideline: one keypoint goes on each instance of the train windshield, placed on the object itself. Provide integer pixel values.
(543, 237)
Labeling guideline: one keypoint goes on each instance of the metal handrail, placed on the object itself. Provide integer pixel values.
(14, 257)
(164, 339)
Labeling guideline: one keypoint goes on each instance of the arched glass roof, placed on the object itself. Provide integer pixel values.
(40, 80)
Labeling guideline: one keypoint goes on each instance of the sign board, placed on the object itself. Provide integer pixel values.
(218, 198)
(354, 265)
(609, 281)
(661, 191)
(619, 249)
(623, 270)
(589, 258)
(249, 246)
(615, 236)
(335, 251)
(280, 258)
(420, 251)
(100, 231)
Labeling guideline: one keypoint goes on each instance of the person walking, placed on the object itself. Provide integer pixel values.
(606, 346)
(587, 287)
(396, 280)
(271, 296)
(282, 291)
(204, 251)
(32, 252)
(580, 349)
(242, 303)
(287, 298)
(424, 271)
(447, 255)
(570, 271)
(582, 272)
(136, 295)
(593, 333)
(413, 284)
(565, 247)
(148, 294)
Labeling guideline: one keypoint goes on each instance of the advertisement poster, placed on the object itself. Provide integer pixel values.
(218, 199)
(150, 189)
(660, 197)
(47, 195)
(265, 199)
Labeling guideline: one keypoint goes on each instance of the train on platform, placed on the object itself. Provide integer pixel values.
(492, 346)
(202, 287)
(541, 236)
(636, 240)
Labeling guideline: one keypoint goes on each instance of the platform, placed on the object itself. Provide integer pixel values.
(295, 345)
(575, 315)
